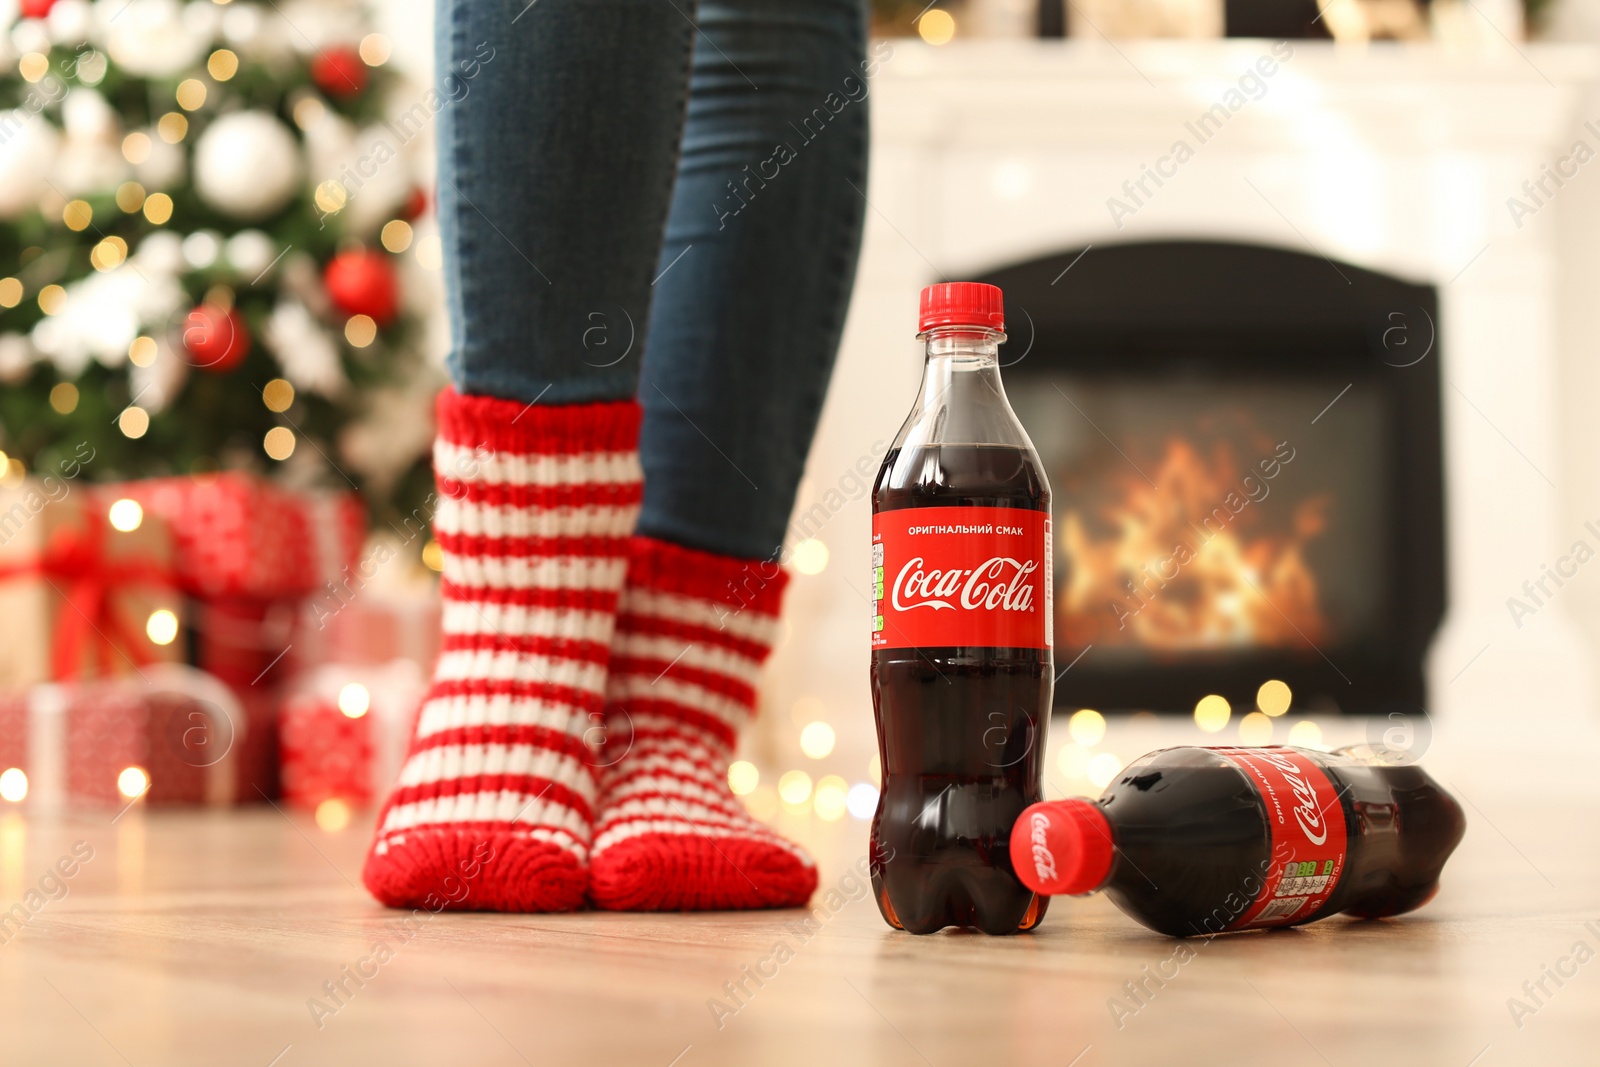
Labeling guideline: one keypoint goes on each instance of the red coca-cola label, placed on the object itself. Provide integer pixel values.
(1308, 835)
(978, 577)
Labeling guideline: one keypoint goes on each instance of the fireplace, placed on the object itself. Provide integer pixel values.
(1244, 444)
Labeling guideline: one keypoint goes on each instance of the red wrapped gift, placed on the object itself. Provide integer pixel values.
(241, 536)
(343, 731)
(377, 627)
(82, 580)
(164, 739)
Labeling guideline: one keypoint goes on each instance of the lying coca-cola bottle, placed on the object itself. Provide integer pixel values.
(1198, 841)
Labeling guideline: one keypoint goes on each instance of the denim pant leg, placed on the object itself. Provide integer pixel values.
(756, 270)
(558, 144)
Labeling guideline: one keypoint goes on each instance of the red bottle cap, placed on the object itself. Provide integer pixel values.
(961, 304)
(1062, 846)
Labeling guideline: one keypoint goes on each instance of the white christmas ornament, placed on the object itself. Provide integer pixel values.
(160, 253)
(70, 21)
(27, 157)
(164, 168)
(247, 164)
(150, 38)
(200, 249)
(309, 358)
(86, 116)
(250, 252)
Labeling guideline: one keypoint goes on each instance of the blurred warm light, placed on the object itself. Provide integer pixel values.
(125, 515)
(396, 235)
(862, 800)
(158, 208)
(374, 49)
(330, 197)
(433, 556)
(936, 26)
(1255, 729)
(161, 627)
(277, 394)
(333, 815)
(1086, 727)
(64, 397)
(1212, 713)
(278, 443)
(1073, 761)
(191, 94)
(130, 196)
(360, 330)
(108, 254)
(1273, 697)
(1305, 734)
(222, 65)
(134, 422)
(132, 782)
(743, 777)
(136, 147)
(354, 700)
(795, 787)
(51, 297)
(33, 66)
(763, 803)
(817, 739)
(142, 352)
(13, 785)
(77, 215)
(430, 252)
(173, 127)
(10, 292)
(809, 556)
(308, 111)
(831, 799)
(1103, 767)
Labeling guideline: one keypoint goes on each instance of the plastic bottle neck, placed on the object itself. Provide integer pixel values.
(975, 346)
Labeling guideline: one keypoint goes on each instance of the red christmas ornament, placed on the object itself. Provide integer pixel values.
(363, 283)
(36, 9)
(339, 71)
(415, 205)
(216, 338)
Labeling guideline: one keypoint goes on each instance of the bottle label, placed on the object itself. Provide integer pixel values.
(1308, 836)
(978, 577)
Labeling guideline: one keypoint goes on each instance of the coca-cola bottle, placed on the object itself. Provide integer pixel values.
(961, 661)
(1200, 841)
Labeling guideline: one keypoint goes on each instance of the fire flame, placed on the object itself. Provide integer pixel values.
(1192, 560)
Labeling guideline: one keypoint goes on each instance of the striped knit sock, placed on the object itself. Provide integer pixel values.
(692, 632)
(493, 809)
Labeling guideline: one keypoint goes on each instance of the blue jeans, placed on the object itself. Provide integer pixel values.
(641, 199)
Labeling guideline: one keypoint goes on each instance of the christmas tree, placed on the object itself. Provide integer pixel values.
(201, 214)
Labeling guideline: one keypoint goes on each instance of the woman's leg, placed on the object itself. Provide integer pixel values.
(557, 152)
(752, 287)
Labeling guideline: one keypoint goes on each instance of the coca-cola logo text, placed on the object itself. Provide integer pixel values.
(1307, 812)
(986, 587)
(1044, 861)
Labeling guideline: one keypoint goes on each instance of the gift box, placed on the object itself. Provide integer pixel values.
(374, 628)
(167, 738)
(86, 585)
(343, 731)
(239, 536)
(250, 553)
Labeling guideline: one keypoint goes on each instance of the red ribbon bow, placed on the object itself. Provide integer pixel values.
(75, 563)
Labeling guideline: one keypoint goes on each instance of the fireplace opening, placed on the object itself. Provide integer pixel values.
(1244, 445)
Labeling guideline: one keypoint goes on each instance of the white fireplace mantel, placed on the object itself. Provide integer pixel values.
(1394, 158)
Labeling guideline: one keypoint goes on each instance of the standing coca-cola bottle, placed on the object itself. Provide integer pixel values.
(961, 661)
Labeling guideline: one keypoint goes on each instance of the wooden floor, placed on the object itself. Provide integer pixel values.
(204, 938)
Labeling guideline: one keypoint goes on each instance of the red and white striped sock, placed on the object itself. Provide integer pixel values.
(493, 809)
(692, 632)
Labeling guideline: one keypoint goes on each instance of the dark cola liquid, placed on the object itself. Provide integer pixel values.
(1192, 838)
(961, 730)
